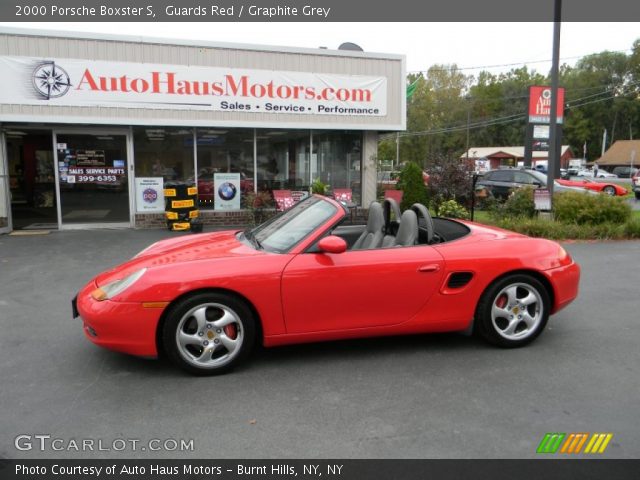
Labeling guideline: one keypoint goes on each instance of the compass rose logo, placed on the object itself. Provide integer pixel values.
(50, 80)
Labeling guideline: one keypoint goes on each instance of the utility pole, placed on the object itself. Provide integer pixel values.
(553, 170)
(468, 99)
(604, 142)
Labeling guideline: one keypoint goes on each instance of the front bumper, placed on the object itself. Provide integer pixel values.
(119, 326)
(565, 281)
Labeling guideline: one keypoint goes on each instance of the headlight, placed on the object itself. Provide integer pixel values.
(110, 290)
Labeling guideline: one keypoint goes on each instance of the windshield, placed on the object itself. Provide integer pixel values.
(285, 230)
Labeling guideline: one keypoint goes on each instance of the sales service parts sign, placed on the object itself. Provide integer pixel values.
(73, 82)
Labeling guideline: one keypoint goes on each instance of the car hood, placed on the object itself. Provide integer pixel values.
(188, 248)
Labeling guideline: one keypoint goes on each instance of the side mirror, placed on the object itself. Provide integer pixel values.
(537, 184)
(332, 244)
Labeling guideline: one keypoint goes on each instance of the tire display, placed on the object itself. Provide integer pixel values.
(181, 206)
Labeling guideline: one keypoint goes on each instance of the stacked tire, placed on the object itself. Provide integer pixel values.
(181, 206)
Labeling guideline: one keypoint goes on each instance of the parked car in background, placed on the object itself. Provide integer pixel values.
(625, 172)
(601, 174)
(601, 187)
(635, 184)
(500, 183)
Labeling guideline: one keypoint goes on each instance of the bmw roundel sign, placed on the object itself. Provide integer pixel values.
(227, 188)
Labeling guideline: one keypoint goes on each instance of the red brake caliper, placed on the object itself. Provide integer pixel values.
(502, 301)
(231, 331)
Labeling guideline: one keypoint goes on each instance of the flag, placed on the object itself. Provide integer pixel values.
(412, 88)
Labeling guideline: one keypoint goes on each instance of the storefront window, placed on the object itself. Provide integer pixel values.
(337, 160)
(283, 159)
(164, 152)
(224, 151)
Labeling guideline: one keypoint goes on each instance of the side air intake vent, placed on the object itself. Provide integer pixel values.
(459, 279)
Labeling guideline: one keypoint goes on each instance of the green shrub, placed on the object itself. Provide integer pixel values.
(411, 183)
(520, 204)
(632, 228)
(581, 209)
(452, 209)
(535, 227)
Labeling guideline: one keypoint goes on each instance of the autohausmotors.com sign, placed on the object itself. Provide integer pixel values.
(39, 81)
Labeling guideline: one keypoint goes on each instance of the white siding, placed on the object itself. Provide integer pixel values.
(323, 61)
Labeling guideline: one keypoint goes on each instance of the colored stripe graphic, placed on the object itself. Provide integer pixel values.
(574, 443)
(598, 443)
(551, 442)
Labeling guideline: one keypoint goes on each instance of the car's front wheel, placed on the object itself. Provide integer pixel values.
(208, 333)
(609, 190)
(513, 311)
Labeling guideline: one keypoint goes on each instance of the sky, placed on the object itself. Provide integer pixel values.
(424, 44)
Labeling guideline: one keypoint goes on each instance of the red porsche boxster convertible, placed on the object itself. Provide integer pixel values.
(602, 187)
(303, 276)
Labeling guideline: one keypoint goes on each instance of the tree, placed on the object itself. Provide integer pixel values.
(449, 179)
(411, 183)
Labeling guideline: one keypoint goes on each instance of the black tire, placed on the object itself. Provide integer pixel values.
(516, 314)
(609, 190)
(637, 195)
(208, 349)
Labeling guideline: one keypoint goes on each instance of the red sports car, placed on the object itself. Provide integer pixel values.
(602, 187)
(304, 276)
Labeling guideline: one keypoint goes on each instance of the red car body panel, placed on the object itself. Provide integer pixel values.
(304, 297)
(591, 185)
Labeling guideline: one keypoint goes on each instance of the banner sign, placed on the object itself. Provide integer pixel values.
(149, 194)
(540, 104)
(73, 82)
(226, 188)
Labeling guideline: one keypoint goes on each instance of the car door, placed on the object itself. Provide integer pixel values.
(358, 289)
(502, 183)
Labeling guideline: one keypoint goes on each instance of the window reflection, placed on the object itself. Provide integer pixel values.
(164, 152)
(283, 159)
(223, 151)
(337, 160)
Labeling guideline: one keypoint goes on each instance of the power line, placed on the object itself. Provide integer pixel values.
(479, 67)
(496, 121)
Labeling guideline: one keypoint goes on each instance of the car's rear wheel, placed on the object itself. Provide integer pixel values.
(609, 190)
(513, 311)
(637, 195)
(208, 333)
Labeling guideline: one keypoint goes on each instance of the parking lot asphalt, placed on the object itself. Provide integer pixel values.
(430, 396)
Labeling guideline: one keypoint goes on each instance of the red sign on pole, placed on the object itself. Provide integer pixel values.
(540, 104)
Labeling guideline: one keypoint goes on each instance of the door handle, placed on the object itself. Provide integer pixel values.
(432, 267)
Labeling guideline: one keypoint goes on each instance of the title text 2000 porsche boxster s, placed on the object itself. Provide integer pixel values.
(304, 276)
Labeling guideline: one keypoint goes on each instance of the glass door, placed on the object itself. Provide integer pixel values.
(92, 170)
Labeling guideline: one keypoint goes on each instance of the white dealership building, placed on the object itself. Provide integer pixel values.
(93, 128)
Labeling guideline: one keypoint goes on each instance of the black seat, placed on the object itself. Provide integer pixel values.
(372, 236)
